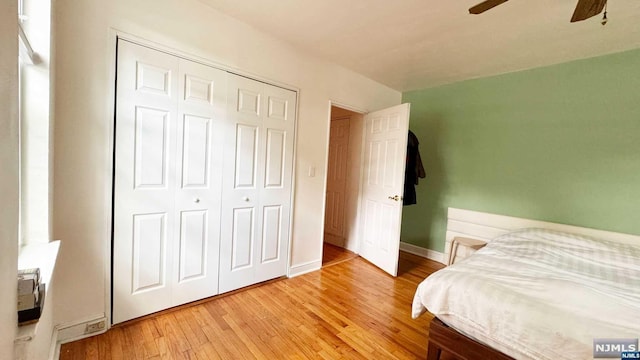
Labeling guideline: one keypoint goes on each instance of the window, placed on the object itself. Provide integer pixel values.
(26, 54)
(23, 56)
(34, 38)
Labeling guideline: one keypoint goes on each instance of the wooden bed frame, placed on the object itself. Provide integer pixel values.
(444, 341)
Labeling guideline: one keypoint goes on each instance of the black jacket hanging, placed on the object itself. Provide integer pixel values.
(413, 170)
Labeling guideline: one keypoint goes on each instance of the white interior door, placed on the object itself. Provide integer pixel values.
(167, 181)
(334, 226)
(385, 151)
(258, 165)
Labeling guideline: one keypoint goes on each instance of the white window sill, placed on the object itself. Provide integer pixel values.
(41, 256)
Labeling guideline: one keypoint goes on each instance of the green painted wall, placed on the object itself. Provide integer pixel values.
(559, 143)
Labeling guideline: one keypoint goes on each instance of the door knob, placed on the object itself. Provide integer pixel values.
(395, 198)
(196, 200)
(244, 198)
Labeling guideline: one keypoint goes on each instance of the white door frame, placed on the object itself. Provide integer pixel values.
(110, 71)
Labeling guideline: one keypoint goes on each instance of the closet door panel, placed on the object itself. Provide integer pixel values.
(275, 193)
(193, 245)
(246, 151)
(150, 149)
(242, 239)
(196, 149)
(275, 159)
(144, 188)
(149, 240)
(258, 177)
(167, 191)
(202, 110)
(271, 234)
(241, 217)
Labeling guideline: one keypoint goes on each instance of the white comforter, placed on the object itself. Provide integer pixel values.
(539, 294)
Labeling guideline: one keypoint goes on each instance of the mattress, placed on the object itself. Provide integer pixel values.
(539, 294)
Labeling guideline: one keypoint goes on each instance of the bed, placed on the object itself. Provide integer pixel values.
(537, 291)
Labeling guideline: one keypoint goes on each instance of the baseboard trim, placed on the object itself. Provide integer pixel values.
(304, 268)
(423, 252)
(54, 351)
(64, 333)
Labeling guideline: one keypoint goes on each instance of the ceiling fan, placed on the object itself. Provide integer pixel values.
(584, 10)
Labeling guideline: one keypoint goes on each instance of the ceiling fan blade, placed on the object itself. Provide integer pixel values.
(587, 8)
(485, 5)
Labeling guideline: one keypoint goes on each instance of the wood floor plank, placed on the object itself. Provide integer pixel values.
(349, 310)
(332, 254)
(163, 349)
(207, 352)
(188, 324)
(149, 339)
(173, 338)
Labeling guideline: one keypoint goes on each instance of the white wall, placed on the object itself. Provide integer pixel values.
(9, 175)
(83, 104)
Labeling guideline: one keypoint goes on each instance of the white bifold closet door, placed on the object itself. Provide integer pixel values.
(258, 164)
(167, 181)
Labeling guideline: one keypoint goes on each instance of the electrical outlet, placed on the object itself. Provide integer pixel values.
(95, 326)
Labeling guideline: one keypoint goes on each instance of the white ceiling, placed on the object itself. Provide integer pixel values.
(413, 44)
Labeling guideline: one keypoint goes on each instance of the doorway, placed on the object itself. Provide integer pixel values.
(365, 183)
(343, 186)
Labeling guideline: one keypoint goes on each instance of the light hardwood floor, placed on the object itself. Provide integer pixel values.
(332, 254)
(350, 310)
